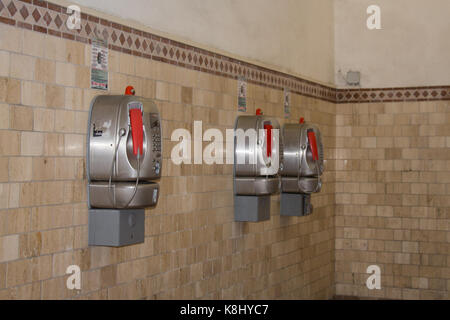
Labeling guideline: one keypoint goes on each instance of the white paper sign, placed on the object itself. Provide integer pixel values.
(242, 95)
(99, 65)
(287, 103)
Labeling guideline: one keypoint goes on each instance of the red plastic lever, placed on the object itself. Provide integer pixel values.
(137, 132)
(129, 91)
(313, 144)
(268, 128)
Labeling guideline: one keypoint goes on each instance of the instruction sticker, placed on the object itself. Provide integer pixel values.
(99, 64)
(287, 102)
(242, 95)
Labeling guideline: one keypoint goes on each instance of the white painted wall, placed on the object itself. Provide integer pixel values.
(411, 49)
(295, 36)
(313, 39)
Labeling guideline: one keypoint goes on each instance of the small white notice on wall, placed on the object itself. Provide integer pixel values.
(242, 94)
(99, 64)
(287, 103)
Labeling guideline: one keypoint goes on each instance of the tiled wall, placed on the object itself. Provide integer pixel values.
(384, 201)
(192, 249)
(392, 199)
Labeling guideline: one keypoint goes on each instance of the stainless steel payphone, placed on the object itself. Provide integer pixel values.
(124, 158)
(256, 166)
(302, 166)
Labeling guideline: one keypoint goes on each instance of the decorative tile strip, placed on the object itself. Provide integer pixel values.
(393, 94)
(46, 17)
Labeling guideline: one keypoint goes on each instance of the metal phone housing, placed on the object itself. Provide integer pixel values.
(120, 182)
(300, 172)
(256, 165)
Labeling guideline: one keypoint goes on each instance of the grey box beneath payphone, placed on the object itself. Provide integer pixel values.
(295, 204)
(116, 227)
(251, 208)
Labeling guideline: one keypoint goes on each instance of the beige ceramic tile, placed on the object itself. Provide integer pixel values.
(54, 96)
(126, 63)
(65, 168)
(162, 90)
(53, 144)
(19, 272)
(43, 168)
(65, 74)
(9, 248)
(55, 48)
(81, 122)
(74, 98)
(4, 195)
(33, 94)
(21, 118)
(64, 121)
(4, 116)
(75, 52)
(74, 144)
(13, 197)
(9, 90)
(9, 143)
(44, 119)
(4, 64)
(4, 171)
(32, 143)
(60, 263)
(20, 168)
(11, 38)
(82, 77)
(45, 70)
(50, 217)
(22, 67)
(33, 43)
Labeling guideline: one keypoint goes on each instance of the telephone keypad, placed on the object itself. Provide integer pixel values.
(156, 133)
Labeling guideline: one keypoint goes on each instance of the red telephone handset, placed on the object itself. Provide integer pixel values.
(137, 132)
(268, 128)
(313, 144)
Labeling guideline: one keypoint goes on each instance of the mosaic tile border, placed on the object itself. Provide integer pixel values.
(46, 17)
(393, 94)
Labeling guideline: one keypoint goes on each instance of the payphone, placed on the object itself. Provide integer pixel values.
(302, 166)
(124, 158)
(256, 166)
